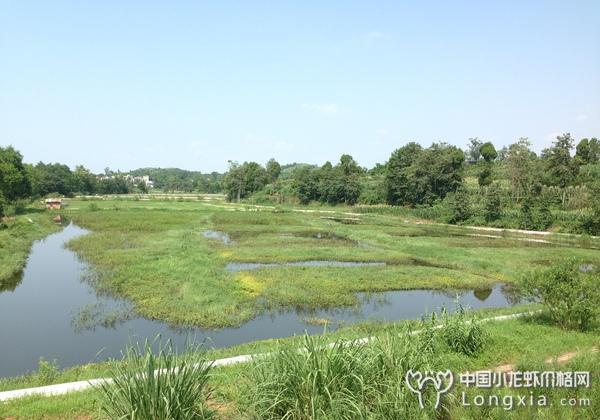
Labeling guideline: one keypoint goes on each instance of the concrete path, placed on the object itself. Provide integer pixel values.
(60, 389)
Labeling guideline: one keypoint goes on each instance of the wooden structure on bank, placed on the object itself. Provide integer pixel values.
(53, 203)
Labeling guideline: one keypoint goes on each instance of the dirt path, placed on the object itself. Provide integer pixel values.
(559, 360)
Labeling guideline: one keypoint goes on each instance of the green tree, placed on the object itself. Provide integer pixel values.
(116, 184)
(561, 169)
(421, 176)
(83, 180)
(587, 152)
(437, 172)
(519, 166)
(591, 224)
(460, 206)
(474, 150)
(142, 187)
(485, 175)
(348, 165)
(273, 170)
(14, 180)
(488, 152)
(243, 180)
(52, 178)
(306, 184)
(526, 220)
(535, 209)
(234, 182)
(492, 209)
(399, 174)
(339, 183)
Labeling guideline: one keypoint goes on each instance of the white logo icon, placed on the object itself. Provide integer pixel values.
(417, 381)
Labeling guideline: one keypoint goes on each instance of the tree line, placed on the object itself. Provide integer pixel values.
(22, 181)
(510, 187)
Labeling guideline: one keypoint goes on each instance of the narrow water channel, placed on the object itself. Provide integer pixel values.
(47, 313)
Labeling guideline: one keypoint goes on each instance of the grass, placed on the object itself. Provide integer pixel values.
(153, 253)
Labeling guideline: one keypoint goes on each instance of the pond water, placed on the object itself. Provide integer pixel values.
(51, 312)
(217, 235)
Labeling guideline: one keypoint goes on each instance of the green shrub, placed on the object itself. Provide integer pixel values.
(570, 295)
(493, 203)
(158, 386)
(93, 207)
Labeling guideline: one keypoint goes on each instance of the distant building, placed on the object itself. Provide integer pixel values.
(53, 203)
(132, 179)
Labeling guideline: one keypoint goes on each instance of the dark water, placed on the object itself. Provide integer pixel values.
(50, 312)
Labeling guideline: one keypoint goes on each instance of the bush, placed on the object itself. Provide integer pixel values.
(138, 391)
(570, 295)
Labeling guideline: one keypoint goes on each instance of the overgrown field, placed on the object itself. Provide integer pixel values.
(155, 253)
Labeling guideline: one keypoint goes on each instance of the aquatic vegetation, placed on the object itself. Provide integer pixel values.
(151, 253)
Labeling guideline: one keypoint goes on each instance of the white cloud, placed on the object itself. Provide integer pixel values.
(326, 109)
(375, 35)
(581, 117)
(381, 131)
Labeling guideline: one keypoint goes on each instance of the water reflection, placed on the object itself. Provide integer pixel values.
(482, 294)
(11, 283)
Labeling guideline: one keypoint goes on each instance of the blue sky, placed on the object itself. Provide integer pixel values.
(194, 84)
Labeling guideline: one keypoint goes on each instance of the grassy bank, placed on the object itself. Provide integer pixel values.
(524, 343)
(153, 252)
(16, 239)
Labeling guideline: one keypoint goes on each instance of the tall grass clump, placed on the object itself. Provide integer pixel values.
(463, 332)
(343, 380)
(157, 386)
